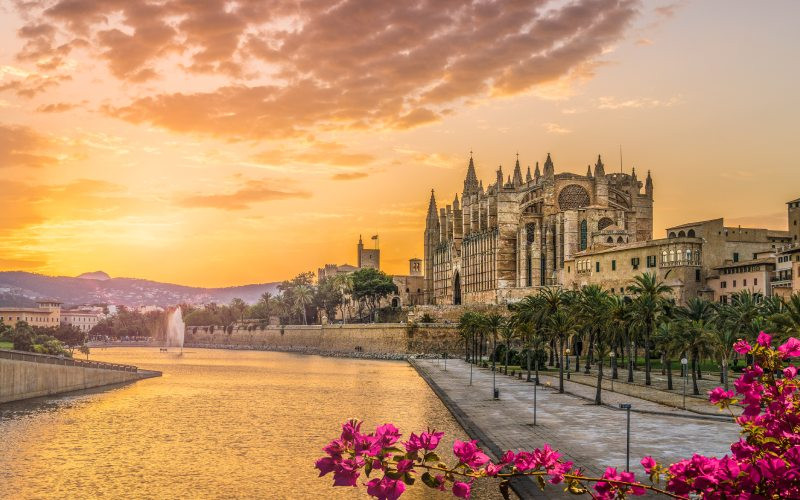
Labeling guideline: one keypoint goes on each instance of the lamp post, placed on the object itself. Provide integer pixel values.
(613, 360)
(445, 359)
(470, 365)
(627, 407)
(536, 382)
(567, 356)
(684, 366)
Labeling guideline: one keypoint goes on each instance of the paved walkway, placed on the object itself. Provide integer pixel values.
(591, 436)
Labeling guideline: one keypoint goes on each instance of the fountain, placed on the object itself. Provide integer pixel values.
(175, 329)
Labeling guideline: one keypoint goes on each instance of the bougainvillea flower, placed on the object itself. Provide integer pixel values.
(742, 347)
(790, 348)
(462, 490)
(764, 339)
(469, 454)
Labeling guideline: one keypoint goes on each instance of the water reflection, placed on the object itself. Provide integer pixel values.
(232, 424)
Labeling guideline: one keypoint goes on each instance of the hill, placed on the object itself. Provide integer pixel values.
(22, 288)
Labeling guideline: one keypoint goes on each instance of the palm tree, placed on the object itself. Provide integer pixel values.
(508, 333)
(787, 320)
(561, 325)
(619, 318)
(592, 303)
(468, 325)
(697, 332)
(604, 338)
(649, 292)
(303, 295)
(664, 340)
(492, 324)
(344, 283)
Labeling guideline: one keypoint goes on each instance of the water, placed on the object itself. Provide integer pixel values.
(175, 329)
(218, 424)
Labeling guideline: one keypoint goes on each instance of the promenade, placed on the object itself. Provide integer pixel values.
(591, 436)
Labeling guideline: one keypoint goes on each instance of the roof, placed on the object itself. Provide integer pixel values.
(25, 309)
(691, 224)
(48, 301)
(763, 260)
(794, 200)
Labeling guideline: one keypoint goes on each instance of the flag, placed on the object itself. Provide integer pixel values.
(375, 237)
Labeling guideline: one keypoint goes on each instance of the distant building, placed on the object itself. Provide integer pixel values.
(410, 288)
(83, 319)
(365, 257)
(752, 275)
(785, 280)
(46, 313)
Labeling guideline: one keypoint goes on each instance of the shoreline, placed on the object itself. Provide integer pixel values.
(311, 351)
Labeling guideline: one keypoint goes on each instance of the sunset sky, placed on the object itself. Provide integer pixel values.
(229, 142)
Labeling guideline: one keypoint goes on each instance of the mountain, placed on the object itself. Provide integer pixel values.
(21, 288)
(97, 275)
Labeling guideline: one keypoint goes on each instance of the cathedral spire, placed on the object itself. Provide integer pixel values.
(537, 174)
(599, 170)
(549, 168)
(517, 174)
(528, 175)
(432, 212)
(648, 185)
(589, 171)
(455, 202)
(471, 182)
(499, 177)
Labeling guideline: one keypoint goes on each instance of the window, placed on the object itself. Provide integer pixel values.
(584, 232)
(597, 267)
(568, 269)
(697, 275)
(651, 261)
(755, 281)
(635, 262)
(736, 256)
(690, 234)
(734, 283)
(724, 299)
(613, 265)
(744, 282)
(723, 284)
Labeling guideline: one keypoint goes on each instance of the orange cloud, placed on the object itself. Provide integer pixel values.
(22, 146)
(253, 191)
(322, 153)
(348, 65)
(56, 107)
(349, 176)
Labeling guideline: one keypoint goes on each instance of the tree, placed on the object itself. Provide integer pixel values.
(70, 336)
(22, 338)
(508, 334)
(561, 326)
(84, 349)
(493, 323)
(649, 292)
(303, 296)
(239, 307)
(696, 332)
(370, 286)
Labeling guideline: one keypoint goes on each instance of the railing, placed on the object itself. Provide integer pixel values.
(57, 360)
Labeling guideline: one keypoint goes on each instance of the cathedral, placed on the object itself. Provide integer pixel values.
(496, 243)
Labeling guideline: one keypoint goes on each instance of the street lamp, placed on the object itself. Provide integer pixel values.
(568, 351)
(627, 407)
(613, 360)
(684, 363)
(534, 401)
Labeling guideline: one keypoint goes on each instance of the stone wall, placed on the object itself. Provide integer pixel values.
(24, 378)
(391, 338)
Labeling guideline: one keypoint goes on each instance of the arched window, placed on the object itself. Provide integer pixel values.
(688, 255)
(604, 223)
(663, 256)
(672, 255)
(679, 255)
(697, 256)
(584, 232)
(620, 240)
(681, 234)
(610, 240)
(672, 234)
(690, 234)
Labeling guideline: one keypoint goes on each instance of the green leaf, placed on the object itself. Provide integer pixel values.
(576, 488)
(408, 479)
(368, 467)
(433, 457)
(429, 480)
(393, 449)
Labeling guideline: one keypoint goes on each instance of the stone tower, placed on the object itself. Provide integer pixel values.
(431, 241)
(794, 220)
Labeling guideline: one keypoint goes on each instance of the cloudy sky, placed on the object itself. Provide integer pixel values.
(229, 142)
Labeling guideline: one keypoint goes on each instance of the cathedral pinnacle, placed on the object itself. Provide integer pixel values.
(455, 202)
(517, 174)
(528, 174)
(431, 206)
(471, 182)
(599, 170)
(549, 168)
(589, 171)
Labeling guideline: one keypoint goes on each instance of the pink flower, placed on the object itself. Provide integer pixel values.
(385, 488)
(790, 348)
(790, 371)
(648, 463)
(335, 448)
(719, 394)
(493, 469)
(325, 465)
(469, 454)
(764, 340)
(462, 490)
(387, 435)
(742, 347)
(346, 472)
(350, 430)
(425, 441)
(404, 466)
(546, 457)
(557, 472)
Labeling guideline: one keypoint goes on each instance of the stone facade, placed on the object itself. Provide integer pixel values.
(47, 313)
(753, 275)
(496, 244)
(378, 338)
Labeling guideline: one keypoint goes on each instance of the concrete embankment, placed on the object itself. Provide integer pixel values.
(26, 375)
(376, 341)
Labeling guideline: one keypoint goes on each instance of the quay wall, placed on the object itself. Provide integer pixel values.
(27, 375)
(397, 339)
